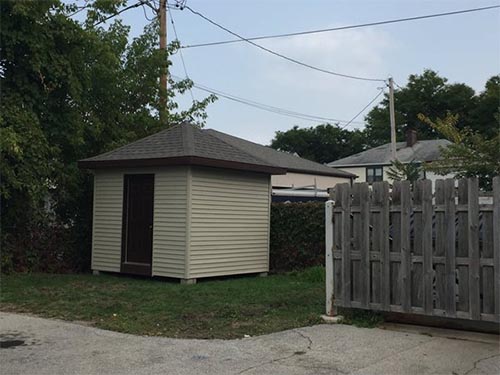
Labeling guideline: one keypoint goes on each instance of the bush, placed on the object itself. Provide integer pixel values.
(297, 236)
(43, 246)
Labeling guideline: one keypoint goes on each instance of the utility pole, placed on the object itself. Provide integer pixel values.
(162, 14)
(392, 118)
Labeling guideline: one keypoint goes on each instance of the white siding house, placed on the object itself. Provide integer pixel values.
(373, 164)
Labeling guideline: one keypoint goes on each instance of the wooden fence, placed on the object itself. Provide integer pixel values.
(408, 250)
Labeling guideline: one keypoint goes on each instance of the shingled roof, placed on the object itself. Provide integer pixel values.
(422, 151)
(186, 144)
(285, 160)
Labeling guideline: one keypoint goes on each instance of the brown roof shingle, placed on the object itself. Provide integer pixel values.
(186, 144)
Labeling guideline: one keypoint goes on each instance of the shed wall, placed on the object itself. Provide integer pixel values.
(169, 223)
(229, 222)
(107, 223)
(225, 232)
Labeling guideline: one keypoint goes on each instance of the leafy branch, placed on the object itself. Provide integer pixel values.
(470, 155)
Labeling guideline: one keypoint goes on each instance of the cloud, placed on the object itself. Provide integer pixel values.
(360, 52)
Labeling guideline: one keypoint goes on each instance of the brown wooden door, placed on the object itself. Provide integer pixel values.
(137, 241)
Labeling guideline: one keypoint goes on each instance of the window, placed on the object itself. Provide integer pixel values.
(374, 174)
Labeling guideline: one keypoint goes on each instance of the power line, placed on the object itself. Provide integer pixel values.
(80, 9)
(180, 53)
(266, 107)
(135, 5)
(364, 108)
(146, 14)
(281, 55)
(377, 23)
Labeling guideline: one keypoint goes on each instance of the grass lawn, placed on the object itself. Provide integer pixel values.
(228, 308)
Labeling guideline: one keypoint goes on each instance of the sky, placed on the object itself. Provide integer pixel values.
(463, 48)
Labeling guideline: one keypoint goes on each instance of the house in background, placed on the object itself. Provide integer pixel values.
(188, 203)
(304, 180)
(372, 165)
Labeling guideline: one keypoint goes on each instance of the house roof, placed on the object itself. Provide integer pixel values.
(186, 144)
(422, 151)
(291, 163)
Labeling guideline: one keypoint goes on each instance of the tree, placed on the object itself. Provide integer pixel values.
(71, 90)
(322, 143)
(427, 93)
(399, 171)
(470, 154)
(485, 116)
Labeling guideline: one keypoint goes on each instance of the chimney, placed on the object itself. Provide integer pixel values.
(411, 137)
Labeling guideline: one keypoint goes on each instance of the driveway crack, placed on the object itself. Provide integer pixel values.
(285, 357)
(393, 354)
(266, 363)
(474, 367)
(301, 334)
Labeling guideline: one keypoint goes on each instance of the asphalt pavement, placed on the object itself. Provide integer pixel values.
(31, 345)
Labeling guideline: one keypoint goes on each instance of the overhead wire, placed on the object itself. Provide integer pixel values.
(80, 9)
(146, 14)
(266, 107)
(364, 108)
(135, 5)
(357, 26)
(180, 53)
(290, 59)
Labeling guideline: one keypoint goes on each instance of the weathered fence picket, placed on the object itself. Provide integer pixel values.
(473, 215)
(425, 187)
(405, 250)
(496, 244)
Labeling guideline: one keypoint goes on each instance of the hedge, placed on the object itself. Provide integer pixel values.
(297, 236)
(296, 243)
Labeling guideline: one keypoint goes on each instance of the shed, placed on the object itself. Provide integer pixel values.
(181, 203)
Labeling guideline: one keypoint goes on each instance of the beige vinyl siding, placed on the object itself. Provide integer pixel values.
(107, 223)
(169, 224)
(229, 222)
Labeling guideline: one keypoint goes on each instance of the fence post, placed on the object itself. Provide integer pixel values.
(364, 192)
(496, 244)
(344, 195)
(330, 308)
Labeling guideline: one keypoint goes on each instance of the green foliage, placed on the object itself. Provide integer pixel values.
(399, 171)
(426, 93)
(316, 274)
(361, 318)
(297, 236)
(470, 155)
(44, 246)
(433, 96)
(322, 143)
(69, 91)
